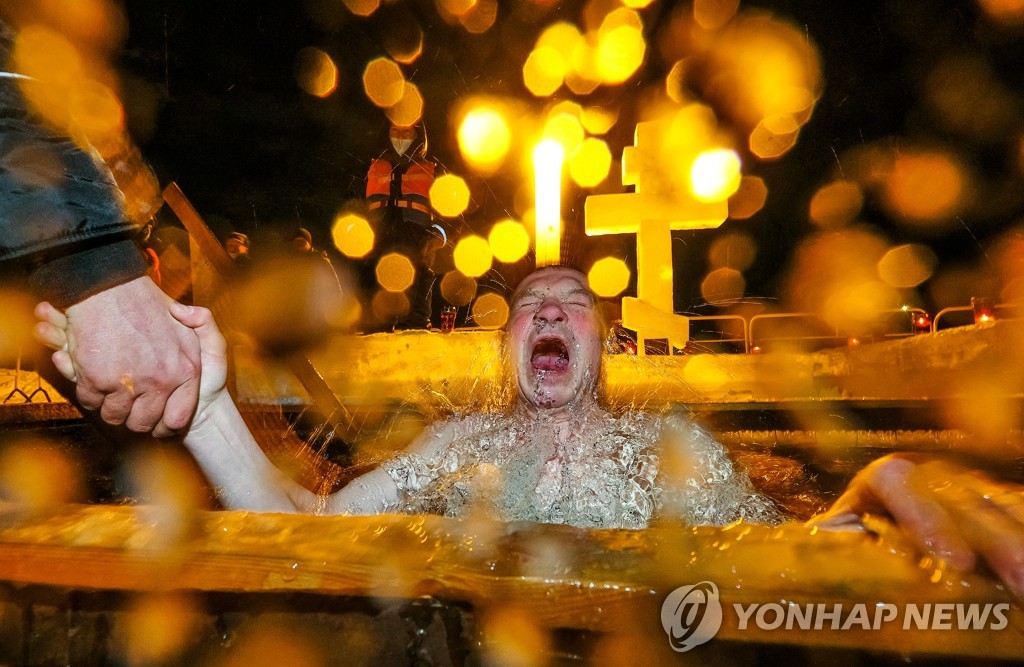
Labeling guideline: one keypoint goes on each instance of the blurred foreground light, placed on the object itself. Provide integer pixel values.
(772, 138)
(316, 72)
(472, 256)
(566, 129)
(158, 626)
(484, 138)
(543, 71)
(455, 7)
(836, 204)
(96, 109)
(388, 306)
(458, 289)
(480, 17)
(38, 477)
(621, 46)
(590, 162)
(362, 7)
(925, 189)
(608, 277)
(735, 251)
(713, 14)
(383, 82)
(907, 265)
(404, 42)
(598, 120)
(15, 325)
(509, 241)
(449, 195)
(352, 236)
(1006, 12)
(512, 637)
(715, 175)
(490, 311)
(395, 272)
(749, 198)
(408, 111)
(562, 37)
(723, 284)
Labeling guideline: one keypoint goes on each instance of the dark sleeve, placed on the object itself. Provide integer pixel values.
(62, 219)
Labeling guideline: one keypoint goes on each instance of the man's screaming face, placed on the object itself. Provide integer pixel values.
(554, 338)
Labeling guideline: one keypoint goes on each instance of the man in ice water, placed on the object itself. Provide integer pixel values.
(556, 455)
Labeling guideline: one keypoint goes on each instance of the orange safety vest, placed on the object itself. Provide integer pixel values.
(414, 191)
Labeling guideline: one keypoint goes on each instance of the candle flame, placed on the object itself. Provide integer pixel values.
(548, 157)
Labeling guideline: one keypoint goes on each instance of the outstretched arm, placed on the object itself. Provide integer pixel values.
(950, 512)
(221, 442)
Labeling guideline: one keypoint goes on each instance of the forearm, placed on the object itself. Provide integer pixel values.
(243, 477)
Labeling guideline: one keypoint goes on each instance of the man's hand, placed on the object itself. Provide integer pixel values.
(948, 511)
(132, 360)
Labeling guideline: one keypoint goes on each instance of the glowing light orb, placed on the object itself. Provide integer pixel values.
(566, 129)
(383, 82)
(362, 7)
(449, 195)
(598, 120)
(543, 71)
(484, 138)
(316, 72)
(472, 256)
(395, 273)
(621, 46)
(409, 109)
(96, 108)
(590, 162)
(458, 289)
(490, 311)
(836, 204)
(907, 265)
(749, 198)
(715, 175)
(480, 17)
(509, 241)
(608, 277)
(352, 236)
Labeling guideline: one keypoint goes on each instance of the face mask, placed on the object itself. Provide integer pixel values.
(401, 145)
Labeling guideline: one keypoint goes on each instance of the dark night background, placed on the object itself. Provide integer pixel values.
(213, 103)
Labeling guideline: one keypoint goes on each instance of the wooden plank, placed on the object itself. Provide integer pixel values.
(562, 577)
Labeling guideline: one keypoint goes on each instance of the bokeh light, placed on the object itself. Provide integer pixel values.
(458, 289)
(732, 250)
(509, 241)
(408, 111)
(449, 195)
(383, 82)
(749, 198)
(590, 162)
(480, 17)
(472, 256)
(316, 72)
(388, 306)
(836, 204)
(598, 120)
(621, 46)
(484, 138)
(395, 272)
(608, 277)
(490, 311)
(713, 14)
(722, 285)
(925, 189)
(157, 626)
(566, 129)
(715, 175)
(543, 71)
(352, 235)
(907, 265)
(96, 109)
(362, 7)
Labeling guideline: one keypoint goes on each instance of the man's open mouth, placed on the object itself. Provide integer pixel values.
(550, 354)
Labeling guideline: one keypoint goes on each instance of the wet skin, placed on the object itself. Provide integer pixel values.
(554, 340)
